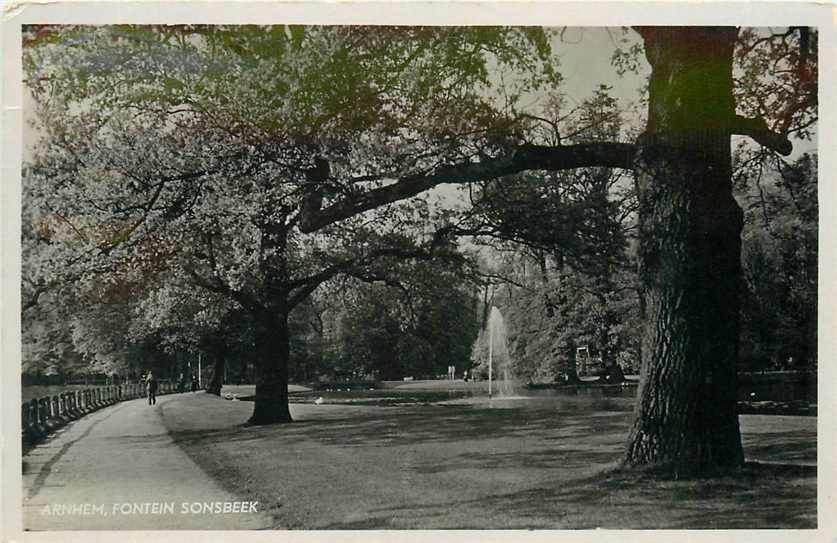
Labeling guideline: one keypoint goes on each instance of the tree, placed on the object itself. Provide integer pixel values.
(779, 246)
(689, 229)
(184, 318)
(573, 228)
(689, 223)
(417, 319)
(208, 143)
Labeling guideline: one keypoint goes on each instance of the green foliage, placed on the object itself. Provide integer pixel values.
(550, 311)
(182, 155)
(779, 258)
(417, 326)
(565, 278)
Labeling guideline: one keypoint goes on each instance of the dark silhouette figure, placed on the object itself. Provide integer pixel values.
(151, 387)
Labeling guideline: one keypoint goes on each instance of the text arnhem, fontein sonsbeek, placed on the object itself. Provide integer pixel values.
(149, 508)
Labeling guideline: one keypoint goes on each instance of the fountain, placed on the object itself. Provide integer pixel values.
(499, 361)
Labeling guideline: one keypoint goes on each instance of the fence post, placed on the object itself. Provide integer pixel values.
(34, 413)
(56, 411)
(43, 412)
(25, 414)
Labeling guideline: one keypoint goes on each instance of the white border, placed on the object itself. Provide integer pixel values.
(620, 13)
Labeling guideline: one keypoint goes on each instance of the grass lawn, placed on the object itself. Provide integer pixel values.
(473, 467)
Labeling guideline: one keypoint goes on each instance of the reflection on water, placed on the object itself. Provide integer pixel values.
(569, 398)
(607, 398)
(786, 391)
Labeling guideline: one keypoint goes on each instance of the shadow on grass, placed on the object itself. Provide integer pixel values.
(758, 496)
(799, 446)
(571, 456)
(405, 426)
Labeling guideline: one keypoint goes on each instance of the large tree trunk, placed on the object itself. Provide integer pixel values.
(690, 244)
(272, 353)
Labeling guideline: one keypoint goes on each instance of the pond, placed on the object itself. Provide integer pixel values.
(584, 397)
(610, 398)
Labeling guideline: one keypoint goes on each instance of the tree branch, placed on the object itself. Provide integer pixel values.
(758, 130)
(360, 265)
(525, 157)
(219, 287)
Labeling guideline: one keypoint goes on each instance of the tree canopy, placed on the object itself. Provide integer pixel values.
(259, 163)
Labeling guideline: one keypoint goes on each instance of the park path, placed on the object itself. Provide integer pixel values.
(119, 455)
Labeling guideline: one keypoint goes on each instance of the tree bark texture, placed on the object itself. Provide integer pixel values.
(272, 355)
(686, 418)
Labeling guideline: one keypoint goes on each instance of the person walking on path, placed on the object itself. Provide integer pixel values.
(151, 387)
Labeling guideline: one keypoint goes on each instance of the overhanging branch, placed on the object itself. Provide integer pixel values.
(526, 157)
(758, 130)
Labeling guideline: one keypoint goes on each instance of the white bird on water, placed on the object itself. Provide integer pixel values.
(319, 401)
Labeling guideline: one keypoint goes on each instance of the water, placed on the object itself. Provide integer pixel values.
(565, 399)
